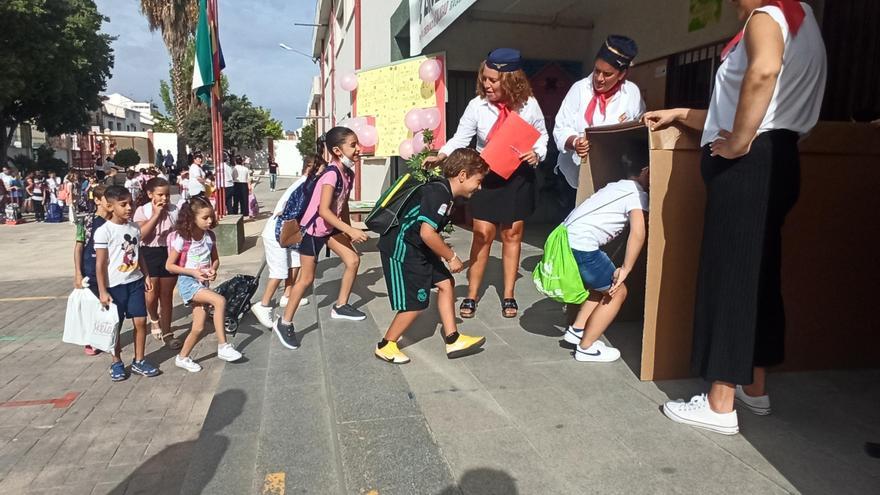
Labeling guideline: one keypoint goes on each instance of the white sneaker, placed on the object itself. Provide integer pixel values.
(573, 336)
(698, 413)
(264, 314)
(597, 353)
(284, 300)
(187, 363)
(758, 405)
(228, 353)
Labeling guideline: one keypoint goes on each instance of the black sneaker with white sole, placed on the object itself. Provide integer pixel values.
(347, 312)
(286, 334)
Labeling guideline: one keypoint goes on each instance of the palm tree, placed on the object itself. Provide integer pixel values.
(176, 19)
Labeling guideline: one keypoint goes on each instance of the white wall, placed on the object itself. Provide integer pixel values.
(165, 141)
(290, 162)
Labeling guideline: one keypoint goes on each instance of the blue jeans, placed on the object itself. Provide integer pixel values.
(272, 179)
(597, 270)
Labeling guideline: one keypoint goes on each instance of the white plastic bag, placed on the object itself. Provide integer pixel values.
(87, 322)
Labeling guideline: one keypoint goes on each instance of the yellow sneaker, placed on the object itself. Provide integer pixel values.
(391, 354)
(464, 345)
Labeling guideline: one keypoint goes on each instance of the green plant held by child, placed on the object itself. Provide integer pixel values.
(416, 164)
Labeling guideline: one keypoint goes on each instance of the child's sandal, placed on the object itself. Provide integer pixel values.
(509, 308)
(156, 330)
(468, 308)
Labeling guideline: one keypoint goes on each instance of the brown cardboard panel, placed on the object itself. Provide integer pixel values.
(675, 222)
(829, 245)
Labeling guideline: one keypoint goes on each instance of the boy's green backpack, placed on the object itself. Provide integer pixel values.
(557, 275)
(386, 213)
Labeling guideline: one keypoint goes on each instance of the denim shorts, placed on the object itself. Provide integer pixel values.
(597, 270)
(187, 287)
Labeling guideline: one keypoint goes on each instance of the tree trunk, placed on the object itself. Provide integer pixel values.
(182, 103)
(5, 141)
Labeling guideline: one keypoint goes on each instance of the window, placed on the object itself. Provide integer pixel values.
(119, 126)
(690, 76)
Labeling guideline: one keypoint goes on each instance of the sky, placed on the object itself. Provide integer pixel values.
(250, 32)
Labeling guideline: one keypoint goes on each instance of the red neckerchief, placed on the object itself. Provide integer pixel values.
(794, 16)
(600, 99)
(503, 113)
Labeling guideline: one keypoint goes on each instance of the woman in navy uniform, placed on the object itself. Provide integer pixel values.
(501, 204)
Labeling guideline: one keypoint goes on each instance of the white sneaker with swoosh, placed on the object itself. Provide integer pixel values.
(597, 353)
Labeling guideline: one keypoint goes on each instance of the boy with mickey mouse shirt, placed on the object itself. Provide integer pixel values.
(121, 278)
(413, 256)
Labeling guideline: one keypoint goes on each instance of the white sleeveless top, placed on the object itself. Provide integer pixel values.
(800, 86)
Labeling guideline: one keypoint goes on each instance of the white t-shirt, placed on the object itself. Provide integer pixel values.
(121, 243)
(800, 86)
(195, 173)
(227, 174)
(269, 229)
(241, 174)
(603, 216)
(194, 253)
(7, 179)
(625, 106)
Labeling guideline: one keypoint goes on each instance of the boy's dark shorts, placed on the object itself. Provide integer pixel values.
(410, 282)
(130, 298)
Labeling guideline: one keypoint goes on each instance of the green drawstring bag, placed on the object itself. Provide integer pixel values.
(557, 275)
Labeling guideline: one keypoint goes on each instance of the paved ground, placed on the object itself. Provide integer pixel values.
(520, 417)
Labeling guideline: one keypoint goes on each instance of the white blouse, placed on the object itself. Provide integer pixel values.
(625, 106)
(480, 116)
(800, 86)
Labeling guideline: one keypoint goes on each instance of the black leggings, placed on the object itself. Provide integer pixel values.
(739, 318)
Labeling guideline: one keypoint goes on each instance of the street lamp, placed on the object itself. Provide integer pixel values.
(291, 49)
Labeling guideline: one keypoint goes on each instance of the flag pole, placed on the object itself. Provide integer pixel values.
(216, 120)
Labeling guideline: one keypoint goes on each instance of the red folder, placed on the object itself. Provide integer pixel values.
(515, 137)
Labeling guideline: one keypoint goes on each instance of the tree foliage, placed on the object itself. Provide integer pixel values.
(127, 157)
(245, 126)
(55, 63)
(46, 162)
(307, 142)
(163, 123)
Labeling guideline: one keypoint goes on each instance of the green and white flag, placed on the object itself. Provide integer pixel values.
(206, 45)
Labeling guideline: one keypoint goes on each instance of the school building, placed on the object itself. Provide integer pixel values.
(679, 47)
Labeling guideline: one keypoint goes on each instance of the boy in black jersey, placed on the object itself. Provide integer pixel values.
(413, 256)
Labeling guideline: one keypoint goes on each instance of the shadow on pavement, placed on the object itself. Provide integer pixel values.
(483, 481)
(164, 472)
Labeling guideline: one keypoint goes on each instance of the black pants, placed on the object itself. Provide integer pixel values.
(240, 205)
(39, 210)
(739, 318)
(229, 196)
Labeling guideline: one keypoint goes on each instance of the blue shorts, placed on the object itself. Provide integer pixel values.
(130, 299)
(312, 245)
(187, 287)
(597, 270)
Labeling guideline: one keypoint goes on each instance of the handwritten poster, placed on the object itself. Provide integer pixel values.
(389, 92)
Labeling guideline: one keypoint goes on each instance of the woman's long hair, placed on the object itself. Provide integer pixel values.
(515, 86)
(186, 217)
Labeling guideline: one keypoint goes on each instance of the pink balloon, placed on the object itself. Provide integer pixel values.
(429, 71)
(349, 81)
(430, 118)
(413, 120)
(406, 149)
(368, 136)
(357, 123)
(418, 142)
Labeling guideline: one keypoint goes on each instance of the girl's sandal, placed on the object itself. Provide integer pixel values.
(171, 341)
(155, 330)
(468, 308)
(509, 308)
